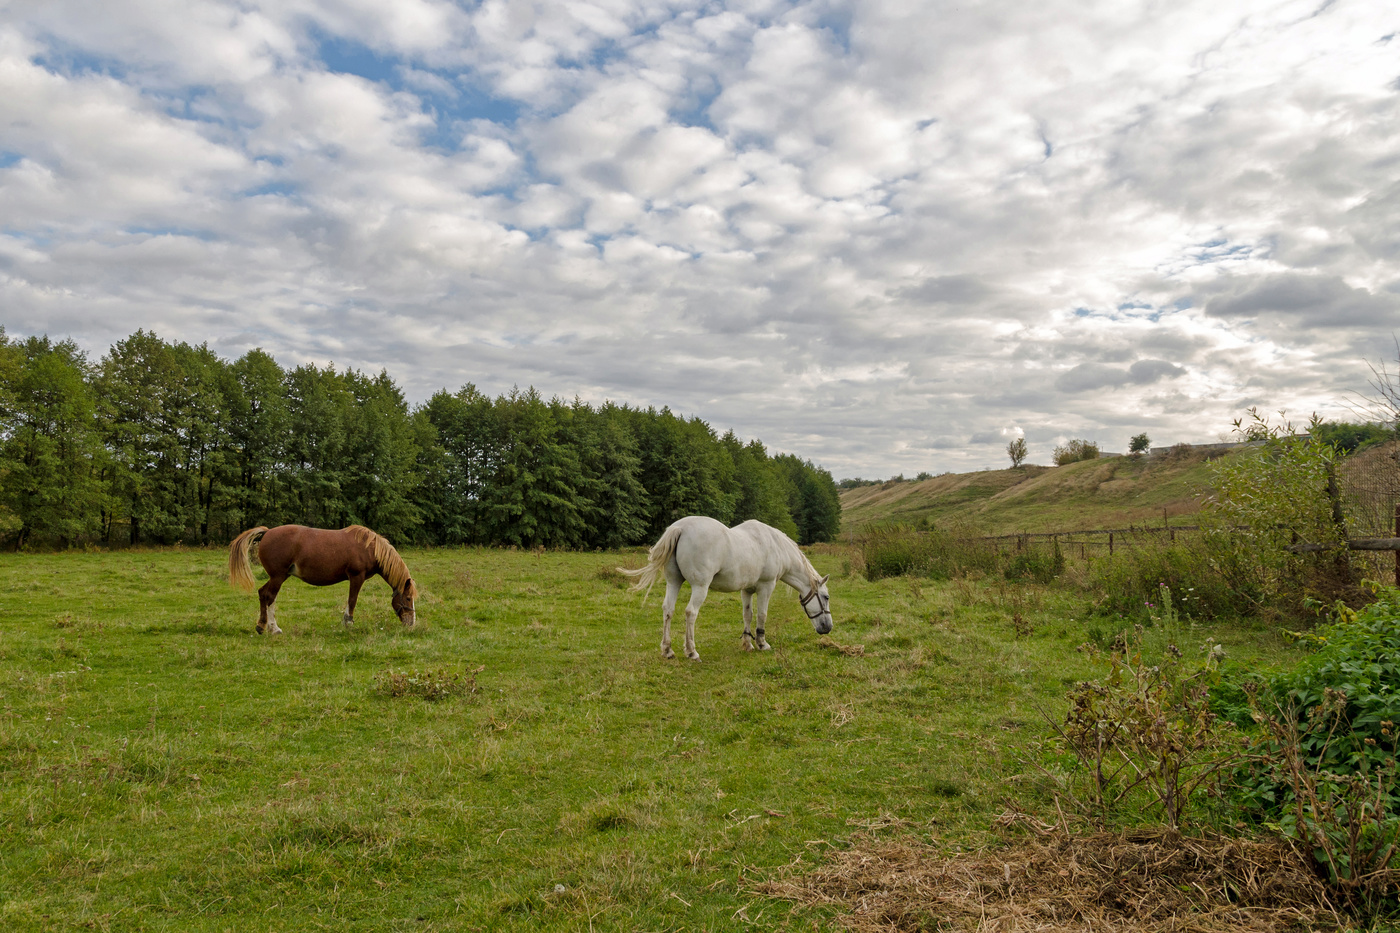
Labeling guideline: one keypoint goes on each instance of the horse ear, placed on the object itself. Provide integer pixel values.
(824, 579)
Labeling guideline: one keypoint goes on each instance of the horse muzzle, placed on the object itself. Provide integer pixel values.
(822, 623)
(408, 618)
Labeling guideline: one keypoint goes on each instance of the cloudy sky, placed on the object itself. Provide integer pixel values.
(887, 235)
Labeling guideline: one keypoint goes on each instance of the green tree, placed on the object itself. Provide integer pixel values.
(1268, 499)
(377, 468)
(1139, 445)
(463, 463)
(49, 444)
(258, 428)
(138, 383)
(319, 408)
(1017, 451)
(764, 487)
(532, 498)
(612, 498)
(684, 468)
(815, 502)
(1076, 450)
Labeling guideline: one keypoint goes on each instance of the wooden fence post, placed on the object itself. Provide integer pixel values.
(1110, 539)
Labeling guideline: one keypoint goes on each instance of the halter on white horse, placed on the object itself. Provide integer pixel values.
(750, 558)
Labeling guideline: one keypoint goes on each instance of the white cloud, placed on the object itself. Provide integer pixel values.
(862, 232)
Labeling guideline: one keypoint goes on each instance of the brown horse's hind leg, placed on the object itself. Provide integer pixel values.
(267, 616)
(355, 583)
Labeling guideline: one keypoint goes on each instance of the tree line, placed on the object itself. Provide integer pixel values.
(164, 443)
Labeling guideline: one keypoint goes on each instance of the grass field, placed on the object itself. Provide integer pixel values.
(163, 768)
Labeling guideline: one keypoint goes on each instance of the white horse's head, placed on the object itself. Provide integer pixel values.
(817, 605)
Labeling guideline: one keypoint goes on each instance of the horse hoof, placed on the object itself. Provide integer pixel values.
(694, 656)
(765, 647)
(668, 654)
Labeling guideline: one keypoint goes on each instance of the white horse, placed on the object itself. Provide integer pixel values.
(750, 558)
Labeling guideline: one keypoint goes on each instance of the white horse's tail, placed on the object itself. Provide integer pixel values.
(661, 553)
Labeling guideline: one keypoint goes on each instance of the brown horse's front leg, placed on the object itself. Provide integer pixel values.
(355, 584)
(267, 614)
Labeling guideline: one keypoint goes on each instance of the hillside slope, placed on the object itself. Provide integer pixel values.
(1112, 492)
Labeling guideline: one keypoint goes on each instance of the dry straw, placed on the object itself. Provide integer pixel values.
(1134, 882)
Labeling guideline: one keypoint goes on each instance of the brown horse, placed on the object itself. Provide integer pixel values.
(321, 557)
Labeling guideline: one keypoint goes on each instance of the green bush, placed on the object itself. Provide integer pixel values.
(1039, 565)
(937, 553)
(1325, 769)
(1129, 583)
(1076, 450)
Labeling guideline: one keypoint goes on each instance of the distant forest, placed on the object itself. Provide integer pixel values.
(164, 443)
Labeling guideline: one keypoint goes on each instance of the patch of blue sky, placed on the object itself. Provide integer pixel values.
(281, 189)
(694, 108)
(65, 58)
(458, 99)
(183, 233)
(835, 21)
(8, 158)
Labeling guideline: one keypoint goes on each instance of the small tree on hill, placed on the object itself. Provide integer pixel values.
(1017, 451)
(1139, 444)
(1075, 450)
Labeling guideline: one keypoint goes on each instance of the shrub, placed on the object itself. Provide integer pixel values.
(1142, 741)
(1326, 767)
(1076, 450)
(1038, 564)
(1129, 583)
(938, 553)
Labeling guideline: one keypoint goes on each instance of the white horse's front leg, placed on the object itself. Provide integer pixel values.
(692, 609)
(748, 617)
(762, 595)
(668, 608)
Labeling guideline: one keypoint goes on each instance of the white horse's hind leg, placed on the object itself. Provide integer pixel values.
(692, 609)
(748, 617)
(668, 608)
(763, 594)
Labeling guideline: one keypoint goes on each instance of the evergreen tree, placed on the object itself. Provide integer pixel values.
(469, 444)
(377, 469)
(612, 498)
(532, 498)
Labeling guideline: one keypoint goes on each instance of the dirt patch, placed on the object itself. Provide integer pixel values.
(1136, 882)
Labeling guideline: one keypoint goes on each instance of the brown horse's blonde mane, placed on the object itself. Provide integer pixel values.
(391, 565)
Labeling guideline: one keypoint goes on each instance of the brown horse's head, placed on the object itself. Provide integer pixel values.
(403, 603)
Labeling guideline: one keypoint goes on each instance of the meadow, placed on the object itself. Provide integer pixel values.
(164, 768)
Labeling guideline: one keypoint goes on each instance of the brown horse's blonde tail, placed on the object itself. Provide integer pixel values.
(240, 561)
(661, 553)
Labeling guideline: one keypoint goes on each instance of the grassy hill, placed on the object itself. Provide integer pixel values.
(1111, 492)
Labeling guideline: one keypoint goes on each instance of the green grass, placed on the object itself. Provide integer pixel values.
(1111, 492)
(164, 768)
